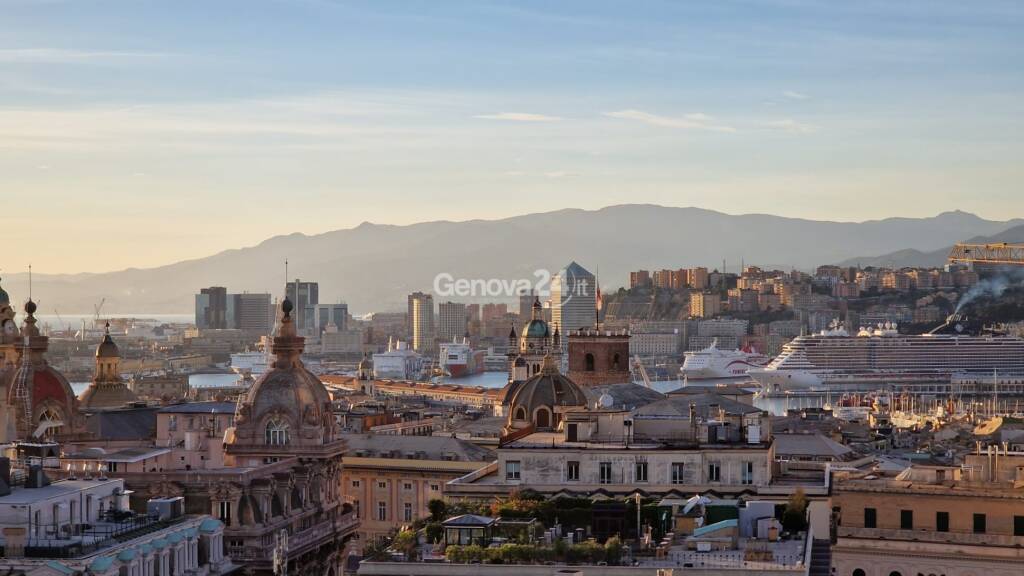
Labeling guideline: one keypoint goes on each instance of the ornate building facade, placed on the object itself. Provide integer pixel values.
(107, 389)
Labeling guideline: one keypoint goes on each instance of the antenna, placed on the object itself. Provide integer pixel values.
(29, 281)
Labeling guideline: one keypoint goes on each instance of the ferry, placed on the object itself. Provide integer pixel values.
(458, 359)
(714, 362)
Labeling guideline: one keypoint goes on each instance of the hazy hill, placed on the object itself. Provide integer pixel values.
(910, 257)
(374, 266)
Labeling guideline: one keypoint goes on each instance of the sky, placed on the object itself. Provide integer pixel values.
(139, 133)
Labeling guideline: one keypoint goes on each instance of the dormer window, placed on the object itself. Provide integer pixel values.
(277, 432)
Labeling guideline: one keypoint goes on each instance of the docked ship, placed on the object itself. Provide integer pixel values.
(458, 359)
(882, 358)
(714, 362)
(399, 362)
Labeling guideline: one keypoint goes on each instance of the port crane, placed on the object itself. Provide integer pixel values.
(1000, 254)
(639, 366)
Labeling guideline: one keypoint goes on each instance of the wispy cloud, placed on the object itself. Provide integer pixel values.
(793, 95)
(791, 126)
(62, 56)
(694, 121)
(519, 117)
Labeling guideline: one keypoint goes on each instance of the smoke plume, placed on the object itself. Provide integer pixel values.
(993, 286)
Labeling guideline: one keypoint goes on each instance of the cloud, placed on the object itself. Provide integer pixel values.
(793, 95)
(519, 117)
(61, 56)
(560, 174)
(694, 121)
(791, 126)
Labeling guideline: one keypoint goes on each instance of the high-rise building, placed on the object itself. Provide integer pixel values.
(697, 278)
(494, 311)
(253, 312)
(451, 321)
(304, 296)
(421, 321)
(573, 298)
(639, 278)
(212, 308)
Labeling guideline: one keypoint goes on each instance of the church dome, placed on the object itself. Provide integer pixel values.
(288, 406)
(537, 328)
(541, 398)
(107, 348)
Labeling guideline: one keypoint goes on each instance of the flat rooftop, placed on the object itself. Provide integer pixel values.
(22, 496)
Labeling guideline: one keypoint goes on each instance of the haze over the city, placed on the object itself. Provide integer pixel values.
(139, 134)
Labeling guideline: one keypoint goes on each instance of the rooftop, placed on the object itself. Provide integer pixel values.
(200, 408)
(22, 496)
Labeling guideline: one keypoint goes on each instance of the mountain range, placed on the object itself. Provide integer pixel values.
(374, 266)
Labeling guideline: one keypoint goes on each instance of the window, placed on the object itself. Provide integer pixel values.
(572, 471)
(512, 471)
(979, 523)
(605, 473)
(408, 512)
(355, 483)
(172, 422)
(277, 432)
(407, 486)
(355, 509)
(588, 360)
(382, 511)
(641, 472)
(747, 473)
(1018, 525)
(435, 487)
(382, 484)
(677, 472)
(870, 518)
(906, 519)
(858, 572)
(112, 466)
(714, 472)
(942, 521)
(224, 513)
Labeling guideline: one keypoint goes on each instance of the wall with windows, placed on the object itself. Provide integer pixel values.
(627, 468)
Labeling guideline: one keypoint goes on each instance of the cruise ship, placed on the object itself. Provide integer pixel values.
(881, 357)
(255, 363)
(458, 359)
(713, 362)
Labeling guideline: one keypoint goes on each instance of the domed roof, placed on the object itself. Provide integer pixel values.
(287, 395)
(107, 348)
(548, 388)
(537, 328)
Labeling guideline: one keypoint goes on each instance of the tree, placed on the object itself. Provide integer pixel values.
(437, 509)
(794, 518)
(613, 550)
(405, 542)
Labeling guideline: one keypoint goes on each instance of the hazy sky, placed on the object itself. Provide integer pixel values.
(138, 133)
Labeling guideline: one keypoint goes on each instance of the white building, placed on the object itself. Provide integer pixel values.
(84, 525)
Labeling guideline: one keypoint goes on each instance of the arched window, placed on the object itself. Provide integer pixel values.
(54, 420)
(615, 362)
(543, 416)
(520, 413)
(277, 432)
(858, 572)
(895, 573)
(589, 361)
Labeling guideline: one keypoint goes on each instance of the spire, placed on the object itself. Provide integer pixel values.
(538, 310)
